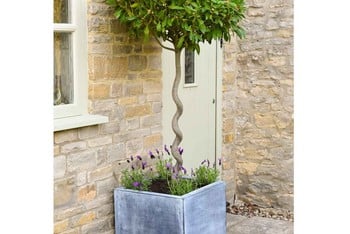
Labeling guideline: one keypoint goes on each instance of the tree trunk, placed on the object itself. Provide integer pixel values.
(179, 109)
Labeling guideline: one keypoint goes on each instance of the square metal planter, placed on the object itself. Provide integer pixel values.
(202, 211)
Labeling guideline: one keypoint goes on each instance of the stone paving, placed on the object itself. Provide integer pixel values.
(237, 224)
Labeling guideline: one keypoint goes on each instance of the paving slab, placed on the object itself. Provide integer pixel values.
(237, 224)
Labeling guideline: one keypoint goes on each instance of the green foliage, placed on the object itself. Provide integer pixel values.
(181, 186)
(164, 168)
(205, 175)
(135, 179)
(185, 23)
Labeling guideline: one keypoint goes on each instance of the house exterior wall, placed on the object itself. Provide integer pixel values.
(125, 85)
(258, 107)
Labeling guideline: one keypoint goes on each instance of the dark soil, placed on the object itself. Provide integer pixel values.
(160, 186)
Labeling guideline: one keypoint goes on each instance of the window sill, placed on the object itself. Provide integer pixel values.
(78, 121)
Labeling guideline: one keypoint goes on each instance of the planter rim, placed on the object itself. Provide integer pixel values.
(192, 193)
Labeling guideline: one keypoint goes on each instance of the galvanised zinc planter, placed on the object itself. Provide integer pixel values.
(201, 211)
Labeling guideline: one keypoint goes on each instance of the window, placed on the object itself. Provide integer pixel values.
(189, 67)
(70, 92)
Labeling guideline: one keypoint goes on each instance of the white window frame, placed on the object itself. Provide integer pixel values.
(76, 114)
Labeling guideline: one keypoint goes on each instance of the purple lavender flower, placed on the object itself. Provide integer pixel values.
(192, 172)
(181, 150)
(136, 184)
(219, 161)
(204, 161)
(139, 157)
(174, 176)
(144, 165)
(166, 150)
(168, 166)
(157, 151)
(184, 170)
(128, 160)
(132, 158)
(151, 155)
(132, 167)
(208, 162)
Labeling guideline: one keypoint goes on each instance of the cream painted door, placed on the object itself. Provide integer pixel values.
(197, 91)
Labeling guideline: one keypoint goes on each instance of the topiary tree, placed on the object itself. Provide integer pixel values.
(184, 23)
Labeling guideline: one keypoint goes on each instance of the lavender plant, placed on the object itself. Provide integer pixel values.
(140, 176)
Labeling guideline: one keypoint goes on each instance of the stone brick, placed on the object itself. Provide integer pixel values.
(56, 150)
(64, 136)
(117, 90)
(132, 89)
(122, 49)
(137, 110)
(87, 193)
(228, 138)
(102, 49)
(59, 166)
(137, 63)
(151, 75)
(152, 141)
(133, 123)
(110, 128)
(81, 178)
(73, 147)
(61, 214)
(99, 226)
(88, 132)
(105, 210)
(156, 107)
(152, 48)
(151, 86)
(64, 192)
(83, 219)
(134, 146)
(61, 226)
(127, 100)
(157, 97)
(98, 24)
(155, 62)
(98, 202)
(99, 141)
(81, 161)
(106, 186)
(264, 120)
(116, 152)
(100, 91)
(107, 67)
(151, 120)
(100, 173)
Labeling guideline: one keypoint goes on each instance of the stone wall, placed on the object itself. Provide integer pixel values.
(258, 106)
(125, 85)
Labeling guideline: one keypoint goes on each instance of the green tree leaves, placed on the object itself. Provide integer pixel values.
(185, 23)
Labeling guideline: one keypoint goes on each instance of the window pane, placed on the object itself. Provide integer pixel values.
(62, 11)
(63, 77)
(189, 67)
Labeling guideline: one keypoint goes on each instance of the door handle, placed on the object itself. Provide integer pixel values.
(213, 101)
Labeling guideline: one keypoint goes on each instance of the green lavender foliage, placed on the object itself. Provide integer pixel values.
(181, 186)
(135, 179)
(164, 168)
(205, 175)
